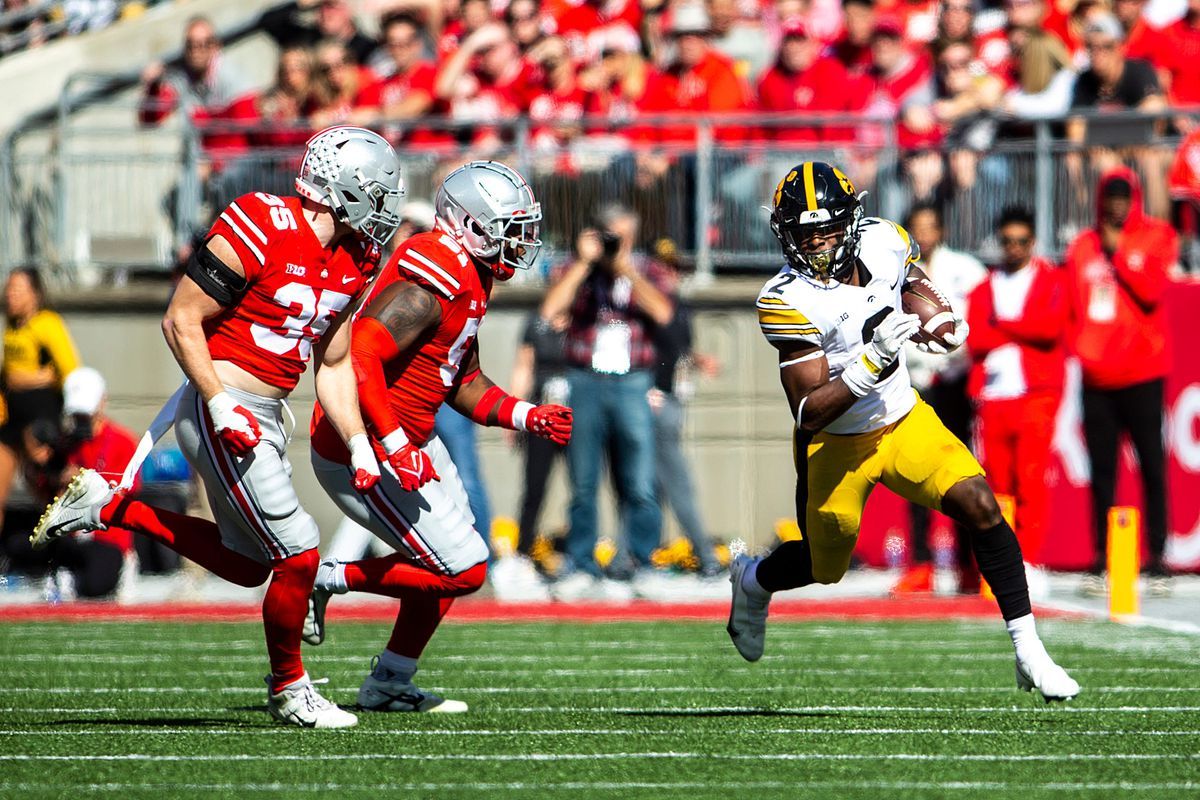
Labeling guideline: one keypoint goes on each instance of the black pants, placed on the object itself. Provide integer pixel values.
(1138, 411)
(540, 455)
(96, 566)
(950, 402)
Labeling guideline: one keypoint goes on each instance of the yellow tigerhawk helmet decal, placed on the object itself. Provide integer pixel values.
(791, 176)
(847, 184)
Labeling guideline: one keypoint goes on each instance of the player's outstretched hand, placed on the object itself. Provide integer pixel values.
(551, 422)
(234, 425)
(362, 461)
(413, 467)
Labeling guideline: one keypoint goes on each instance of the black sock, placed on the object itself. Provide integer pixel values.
(788, 567)
(999, 557)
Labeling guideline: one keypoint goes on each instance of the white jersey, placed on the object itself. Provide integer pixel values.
(839, 319)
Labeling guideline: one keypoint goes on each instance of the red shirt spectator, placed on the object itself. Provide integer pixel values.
(1018, 319)
(270, 119)
(853, 47)
(495, 89)
(338, 83)
(1117, 274)
(700, 80)
(204, 83)
(585, 25)
(1180, 57)
(897, 77)
(472, 15)
(1184, 177)
(802, 80)
(1141, 39)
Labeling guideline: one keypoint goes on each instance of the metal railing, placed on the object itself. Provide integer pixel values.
(77, 196)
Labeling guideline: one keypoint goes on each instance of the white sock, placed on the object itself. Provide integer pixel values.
(333, 580)
(1025, 638)
(402, 667)
(751, 585)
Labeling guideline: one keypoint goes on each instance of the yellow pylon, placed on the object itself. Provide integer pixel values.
(1123, 561)
(1008, 510)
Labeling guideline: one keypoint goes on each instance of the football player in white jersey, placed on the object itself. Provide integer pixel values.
(834, 314)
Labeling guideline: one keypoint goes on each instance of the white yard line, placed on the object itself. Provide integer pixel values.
(551, 757)
(790, 687)
(1032, 706)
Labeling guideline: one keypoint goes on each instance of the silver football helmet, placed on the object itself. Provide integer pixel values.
(490, 209)
(356, 174)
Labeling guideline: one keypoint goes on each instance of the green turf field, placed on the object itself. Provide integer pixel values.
(845, 709)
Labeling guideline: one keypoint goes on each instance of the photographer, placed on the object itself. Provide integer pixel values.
(53, 455)
(615, 298)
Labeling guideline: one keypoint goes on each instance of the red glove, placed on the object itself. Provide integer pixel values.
(362, 460)
(412, 465)
(234, 425)
(551, 422)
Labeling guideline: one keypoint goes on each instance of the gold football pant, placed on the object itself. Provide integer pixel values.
(916, 457)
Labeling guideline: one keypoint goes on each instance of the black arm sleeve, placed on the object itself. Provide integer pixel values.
(216, 279)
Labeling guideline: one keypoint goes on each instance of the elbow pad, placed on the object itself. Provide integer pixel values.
(215, 277)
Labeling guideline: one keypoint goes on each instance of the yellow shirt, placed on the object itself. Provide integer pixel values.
(40, 342)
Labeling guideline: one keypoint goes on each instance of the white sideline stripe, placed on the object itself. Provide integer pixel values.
(245, 239)
(424, 274)
(542, 788)
(547, 659)
(1138, 621)
(595, 689)
(262, 237)
(450, 279)
(606, 732)
(669, 755)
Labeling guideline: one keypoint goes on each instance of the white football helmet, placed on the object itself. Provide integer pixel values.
(356, 174)
(490, 209)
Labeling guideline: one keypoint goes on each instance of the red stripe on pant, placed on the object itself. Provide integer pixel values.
(233, 488)
(379, 502)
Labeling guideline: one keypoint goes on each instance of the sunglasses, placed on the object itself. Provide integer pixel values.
(966, 9)
(1016, 241)
(955, 65)
(1100, 47)
(200, 44)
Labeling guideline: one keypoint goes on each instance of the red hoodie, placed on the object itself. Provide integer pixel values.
(1119, 325)
(1037, 332)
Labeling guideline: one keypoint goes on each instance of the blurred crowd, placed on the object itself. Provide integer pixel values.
(26, 24)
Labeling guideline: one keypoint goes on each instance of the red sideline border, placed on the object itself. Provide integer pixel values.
(489, 610)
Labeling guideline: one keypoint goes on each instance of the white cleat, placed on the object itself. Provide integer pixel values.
(383, 691)
(1048, 678)
(515, 579)
(76, 509)
(747, 615)
(301, 704)
(323, 588)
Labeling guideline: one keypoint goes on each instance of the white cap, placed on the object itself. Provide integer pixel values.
(690, 18)
(82, 391)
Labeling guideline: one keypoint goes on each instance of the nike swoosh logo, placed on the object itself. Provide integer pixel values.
(347, 280)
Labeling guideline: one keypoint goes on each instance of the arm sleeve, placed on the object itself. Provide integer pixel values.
(370, 346)
(782, 324)
(54, 336)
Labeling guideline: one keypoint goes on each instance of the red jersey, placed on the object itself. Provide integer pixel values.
(389, 91)
(420, 378)
(296, 288)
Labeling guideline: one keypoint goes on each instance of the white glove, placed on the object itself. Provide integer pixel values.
(872, 358)
(955, 339)
(234, 425)
(363, 462)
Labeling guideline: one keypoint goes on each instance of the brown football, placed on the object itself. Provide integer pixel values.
(922, 298)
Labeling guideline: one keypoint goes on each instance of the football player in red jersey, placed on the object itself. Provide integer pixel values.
(274, 280)
(414, 348)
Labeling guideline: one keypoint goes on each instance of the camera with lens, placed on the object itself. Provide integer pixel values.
(611, 242)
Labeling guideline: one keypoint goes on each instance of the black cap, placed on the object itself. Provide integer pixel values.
(1117, 187)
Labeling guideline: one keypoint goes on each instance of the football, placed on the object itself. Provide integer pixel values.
(922, 298)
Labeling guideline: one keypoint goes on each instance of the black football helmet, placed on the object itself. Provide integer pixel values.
(816, 197)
